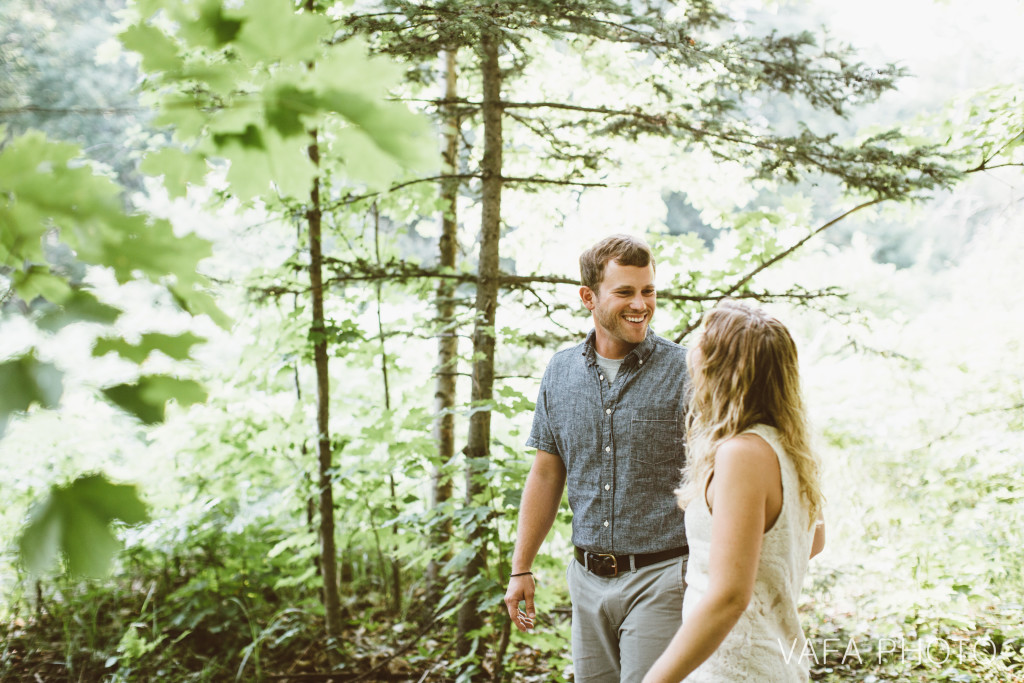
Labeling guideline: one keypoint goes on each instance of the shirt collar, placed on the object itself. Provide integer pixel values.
(641, 352)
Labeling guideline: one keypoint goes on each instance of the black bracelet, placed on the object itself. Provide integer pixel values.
(512, 576)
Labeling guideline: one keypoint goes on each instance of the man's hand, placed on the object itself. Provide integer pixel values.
(521, 588)
(541, 497)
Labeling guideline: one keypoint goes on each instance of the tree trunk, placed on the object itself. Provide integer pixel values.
(478, 446)
(447, 341)
(328, 553)
(396, 570)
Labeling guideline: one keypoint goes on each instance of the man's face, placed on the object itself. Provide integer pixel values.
(623, 307)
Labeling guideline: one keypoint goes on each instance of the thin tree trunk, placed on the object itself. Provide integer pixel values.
(318, 330)
(447, 342)
(311, 502)
(478, 446)
(396, 573)
(328, 552)
(498, 670)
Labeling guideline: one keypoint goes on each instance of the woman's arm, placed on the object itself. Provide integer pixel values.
(745, 470)
(818, 544)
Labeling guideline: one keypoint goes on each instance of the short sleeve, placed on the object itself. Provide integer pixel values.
(541, 436)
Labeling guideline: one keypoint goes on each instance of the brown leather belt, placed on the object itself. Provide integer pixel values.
(604, 564)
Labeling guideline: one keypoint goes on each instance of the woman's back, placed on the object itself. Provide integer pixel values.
(767, 643)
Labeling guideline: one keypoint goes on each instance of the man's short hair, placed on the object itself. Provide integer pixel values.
(625, 250)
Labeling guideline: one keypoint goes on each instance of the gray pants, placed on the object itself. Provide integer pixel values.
(621, 624)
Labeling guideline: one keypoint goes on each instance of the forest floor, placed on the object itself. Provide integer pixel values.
(40, 651)
(49, 649)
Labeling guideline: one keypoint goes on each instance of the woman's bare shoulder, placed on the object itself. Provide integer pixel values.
(747, 448)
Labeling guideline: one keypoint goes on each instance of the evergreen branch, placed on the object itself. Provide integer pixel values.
(828, 77)
(351, 199)
(790, 295)
(402, 271)
(539, 180)
(872, 165)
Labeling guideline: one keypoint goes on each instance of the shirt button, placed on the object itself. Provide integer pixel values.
(607, 486)
(601, 377)
(606, 522)
(608, 411)
(607, 449)
(641, 362)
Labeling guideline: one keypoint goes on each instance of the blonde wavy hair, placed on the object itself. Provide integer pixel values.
(747, 374)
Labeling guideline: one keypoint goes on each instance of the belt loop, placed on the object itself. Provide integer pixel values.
(586, 560)
(632, 563)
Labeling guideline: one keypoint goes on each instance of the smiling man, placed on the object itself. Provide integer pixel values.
(609, 425)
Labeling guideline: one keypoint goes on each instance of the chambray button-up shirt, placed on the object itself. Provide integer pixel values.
(622, 445)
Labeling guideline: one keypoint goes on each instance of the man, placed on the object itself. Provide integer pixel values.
(609, 423)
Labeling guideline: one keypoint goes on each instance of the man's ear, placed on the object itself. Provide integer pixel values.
(589, 297)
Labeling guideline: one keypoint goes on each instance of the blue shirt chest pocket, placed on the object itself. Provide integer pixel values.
(656, 436)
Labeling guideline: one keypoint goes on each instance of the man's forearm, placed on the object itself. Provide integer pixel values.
(541, 497)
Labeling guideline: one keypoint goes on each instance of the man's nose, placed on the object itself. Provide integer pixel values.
(637, 302)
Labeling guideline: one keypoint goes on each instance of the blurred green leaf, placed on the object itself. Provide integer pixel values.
(37, 281)
(159, 53)
(285, 105)
(213, 28)
(176, 346)
(25, 382)
(274, 31)
(41, 187)
(81, 306)
(75, 521)
(179, 169)
(147, 398)
(198, 302)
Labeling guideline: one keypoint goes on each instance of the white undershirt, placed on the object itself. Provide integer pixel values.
(610, 366)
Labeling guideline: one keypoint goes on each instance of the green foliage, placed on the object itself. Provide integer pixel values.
(167, 617)
(178, 347)
(147, 397)
(48, 191)
(248, 83)
(79, 306)
(49, 196)
(46, 187)
(27, 382)
(75, 522)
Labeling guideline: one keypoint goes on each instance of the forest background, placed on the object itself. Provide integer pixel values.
(214, 377)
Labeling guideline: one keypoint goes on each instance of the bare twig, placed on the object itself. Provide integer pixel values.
(983, 166)
(731, 291)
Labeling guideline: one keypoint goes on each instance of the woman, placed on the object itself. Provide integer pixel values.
(752, 497)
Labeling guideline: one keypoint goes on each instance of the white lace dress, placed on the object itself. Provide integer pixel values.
(766, 643)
